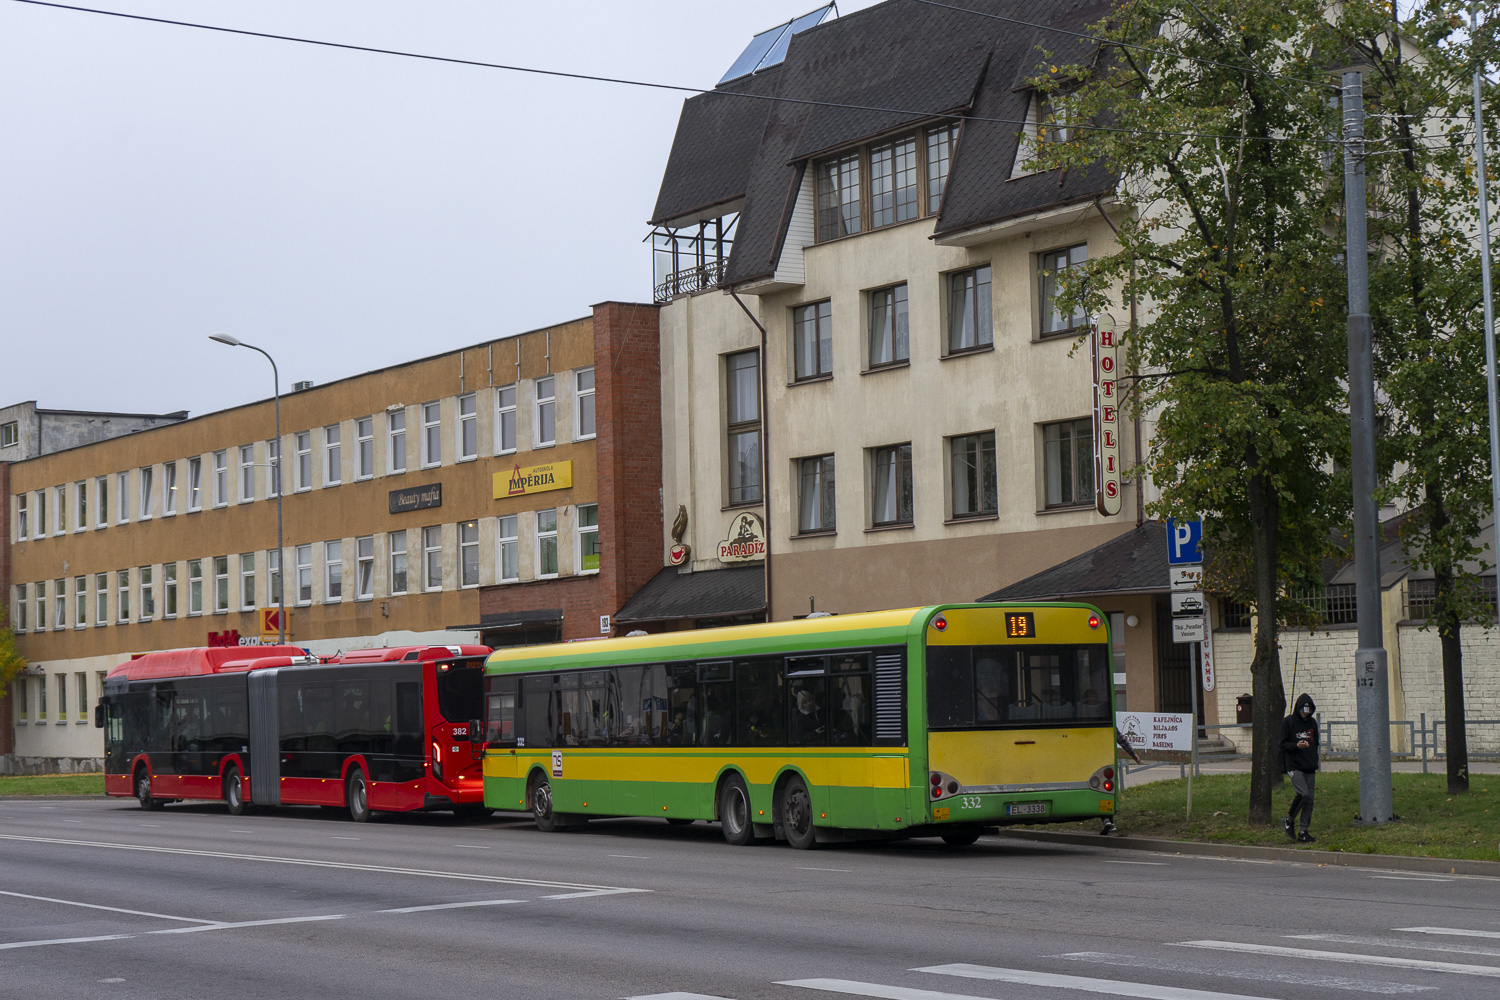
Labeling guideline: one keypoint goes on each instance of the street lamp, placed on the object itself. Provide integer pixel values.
(275, 463)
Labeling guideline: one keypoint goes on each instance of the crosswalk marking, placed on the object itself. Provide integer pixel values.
(1261, 975)
(1389, 942)
(1083, 984)
(1335, 956)
(1453, 931)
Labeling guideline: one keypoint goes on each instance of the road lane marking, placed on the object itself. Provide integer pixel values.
(1452, 931)
(1135, 862)
(112, 909)
(593, 892)
(233, 830)
(801, 868)
(451, 906)
(345, 838)
(642, 857)
(675, 996)
(589, 890)
(476, 847)
(77, 940)
(1291, 978)
(1083, 984)
(78, 821)
(1452, 947)
(1412, 878)
(235, 925)
(1336, 956)
(878, 990)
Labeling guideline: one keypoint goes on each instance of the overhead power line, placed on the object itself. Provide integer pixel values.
(592, 78)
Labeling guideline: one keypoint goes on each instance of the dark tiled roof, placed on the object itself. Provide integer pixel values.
(922, 59)
(1135, 562)
(672, 594)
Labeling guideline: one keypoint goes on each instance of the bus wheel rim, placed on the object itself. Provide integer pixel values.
(799, 811)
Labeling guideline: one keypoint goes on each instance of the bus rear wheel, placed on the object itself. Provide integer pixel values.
(960, 838)
(234, 791)
(734, 812)
(143, 790)
(357, 796)
(541, 805)
(794, 812)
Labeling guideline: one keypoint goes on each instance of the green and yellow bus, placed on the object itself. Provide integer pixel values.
(939, 721)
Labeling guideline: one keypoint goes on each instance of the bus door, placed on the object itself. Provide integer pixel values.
(265, 747)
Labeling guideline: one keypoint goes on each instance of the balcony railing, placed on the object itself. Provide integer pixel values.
(691, 279)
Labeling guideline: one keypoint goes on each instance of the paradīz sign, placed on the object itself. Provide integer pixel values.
(533, 479)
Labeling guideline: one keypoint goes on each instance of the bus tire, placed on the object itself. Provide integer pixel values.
(734, 812)
(794, 813)
(357, 796)
(234, 791)
(679, 821)
(960, 838)
(143, 789)
(540, 796)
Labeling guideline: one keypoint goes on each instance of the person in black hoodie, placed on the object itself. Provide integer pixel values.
(1299, 755)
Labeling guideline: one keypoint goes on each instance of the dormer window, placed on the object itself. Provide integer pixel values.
(882, 184)
(1043, 125)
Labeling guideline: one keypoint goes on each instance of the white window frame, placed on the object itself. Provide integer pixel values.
(221, 478)
(333, 571)
(40, 593)
(221, 585)
(505, 419)
(507, 539)
(101, 502)
(169, 590)
(274, 481)
(364, 568)
(147, 580)
(60, 510)
(364, 448)
(542, 535)
(544, 405)
(122, 596)
(80, 602)
(395, 441)
(195, 587)
(432, 434)
(195, 483)
(579, 531)
(302, 458)
(273, 578)
(81, 506)
(101, 600)
(10, 434)
(432, 557)
(18, 609)
(147, 482)
(39, 519)
(303, 558)
(247, 581)
(23, 515)
(466, 440)
(122, 500)
(333, 455)
(393, 552)
(60, 603)
(582, 397)
(168, 489)
(468, 554)
(247, 473)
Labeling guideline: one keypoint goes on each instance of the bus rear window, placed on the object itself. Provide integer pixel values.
(460, 691)
(979, 687)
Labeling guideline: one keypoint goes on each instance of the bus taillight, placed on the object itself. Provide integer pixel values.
(437, 761)
(1093, 621)
(940, 623)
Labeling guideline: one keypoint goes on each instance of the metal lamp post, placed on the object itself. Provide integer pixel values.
(225, 338)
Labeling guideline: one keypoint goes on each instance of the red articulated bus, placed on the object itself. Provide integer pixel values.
(367, 730)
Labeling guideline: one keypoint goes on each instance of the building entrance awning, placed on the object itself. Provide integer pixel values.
(1132, 563)
(671, 595)
(521, 619)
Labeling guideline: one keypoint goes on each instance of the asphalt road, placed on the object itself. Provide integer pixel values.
(102, 899)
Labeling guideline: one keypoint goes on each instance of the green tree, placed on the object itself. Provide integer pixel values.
(11, 662)
(1215, 115)
(1427, 310)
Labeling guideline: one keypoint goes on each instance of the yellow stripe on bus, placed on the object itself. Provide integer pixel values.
(827, 768)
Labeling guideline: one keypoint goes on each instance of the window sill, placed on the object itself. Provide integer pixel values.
(587, 572)
(333, 482)
(364, 479)
(810, 379)
(586, 437)
(547, 576)
(395, 472)
(1068, 334)
(302, 489)
(907, 525)
(80, 722)
(100, 624)
(80, 625)
(544, 444)
(431, 465)
(510, 451)
(169, 513)
(364, 599)
(248, 500)
(971, 518)
(195, 510)
(1063, 508)
(819, 533)
(877, 369)
(501, 583)
(466, 458)
(22, 722)
(741, 505)
(965, 352)
(79, 531)
(63, 722)
(221, 505)
(143, 517)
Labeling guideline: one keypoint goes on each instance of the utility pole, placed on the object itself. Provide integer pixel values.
(1372, 698)
(1489, 303)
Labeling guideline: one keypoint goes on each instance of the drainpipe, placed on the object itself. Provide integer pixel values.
(765, 444)
(1140, 484)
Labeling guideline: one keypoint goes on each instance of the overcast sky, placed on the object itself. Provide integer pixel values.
(343, 210)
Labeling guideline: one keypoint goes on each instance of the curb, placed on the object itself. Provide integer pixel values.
(1340, 859)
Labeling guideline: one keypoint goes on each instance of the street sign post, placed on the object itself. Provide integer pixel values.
(1184, 541)
(1188, 576)
(1187, 603)
(1189, 614)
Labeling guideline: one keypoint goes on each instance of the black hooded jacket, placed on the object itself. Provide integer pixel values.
(1294, 729)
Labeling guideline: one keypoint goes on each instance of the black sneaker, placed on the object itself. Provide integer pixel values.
(1286, 824)
(1305, 838)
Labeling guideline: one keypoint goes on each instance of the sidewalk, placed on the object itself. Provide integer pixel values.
(1172, 771)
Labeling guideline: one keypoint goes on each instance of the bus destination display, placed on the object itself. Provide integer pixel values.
(1020, 625)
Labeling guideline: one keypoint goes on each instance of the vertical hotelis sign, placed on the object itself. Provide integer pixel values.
(1106, 352)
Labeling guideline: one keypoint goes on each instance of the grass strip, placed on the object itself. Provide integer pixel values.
(52, 784)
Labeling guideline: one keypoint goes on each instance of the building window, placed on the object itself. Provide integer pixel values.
(364, 442)
(742, 411)
(302, 461)
(398, 562)
(583, 404)
(80, 684)
(273, 578)
(40, 530)
(169, 488)
(169, 590)
(122, 596)
(1041, 127)
(60, 603)
(586, 540)
(1068, 458)
(838, 197)
(195, 484)
(147, 476)
(364, 568)
(969, 322)
(812, 340)
(195, 586)
(62, 697)
(101, 599)
(546, 543)
(815, 495)
(893, 182)
(247, 473)
(80, 601)
(468, 553)
(41, 706)
(148, 594)
(508, 558)
(505, 420)
(18, 614)
(940, 143)
(22, 527)
(468, 428)
(891, 501)
(273, 469)
(123, 482)
(395, 441)
(60, 510)
(23, 684)
(81, 497)
(1053, 270)
(247, 581)
(303, 555)
(333, 572)
(221, 585)
(432, 557)
(10, 434)
(975, 485)
(41, 607)
(221, 478)
(333, 455)
(888, 327)
(546, 411)
(432, 434)
(101, 502)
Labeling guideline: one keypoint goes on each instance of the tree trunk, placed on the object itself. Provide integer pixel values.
(1265, 667)
(1456, 737)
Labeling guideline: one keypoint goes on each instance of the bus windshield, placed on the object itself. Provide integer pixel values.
(460, 690)
(979, 687)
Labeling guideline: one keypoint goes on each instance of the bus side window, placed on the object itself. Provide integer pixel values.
(500, 711)
(293, 731)
(950, 687)
(408, 742)
(352, 717)
(540, 706)
(992, 685)
(682, 705)
(634, 708)
(760, 690)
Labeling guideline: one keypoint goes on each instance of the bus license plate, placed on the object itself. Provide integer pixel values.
(1026, 809)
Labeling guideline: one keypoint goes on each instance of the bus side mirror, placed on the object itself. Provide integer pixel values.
(99, 716)
(476, 732)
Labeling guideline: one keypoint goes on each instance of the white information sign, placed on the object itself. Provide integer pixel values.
(1187, 603)
(1188, 629)
(1207, 650)
(1156, 731)
(557, 763)
(1187, 576)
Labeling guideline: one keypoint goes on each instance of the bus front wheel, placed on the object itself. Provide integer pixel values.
(234, 792)
(541, 805)
(358, 797)
(795, 814)
(734, 812)
(143, 790)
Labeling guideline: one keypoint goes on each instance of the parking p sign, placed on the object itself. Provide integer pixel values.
(1184, 541)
